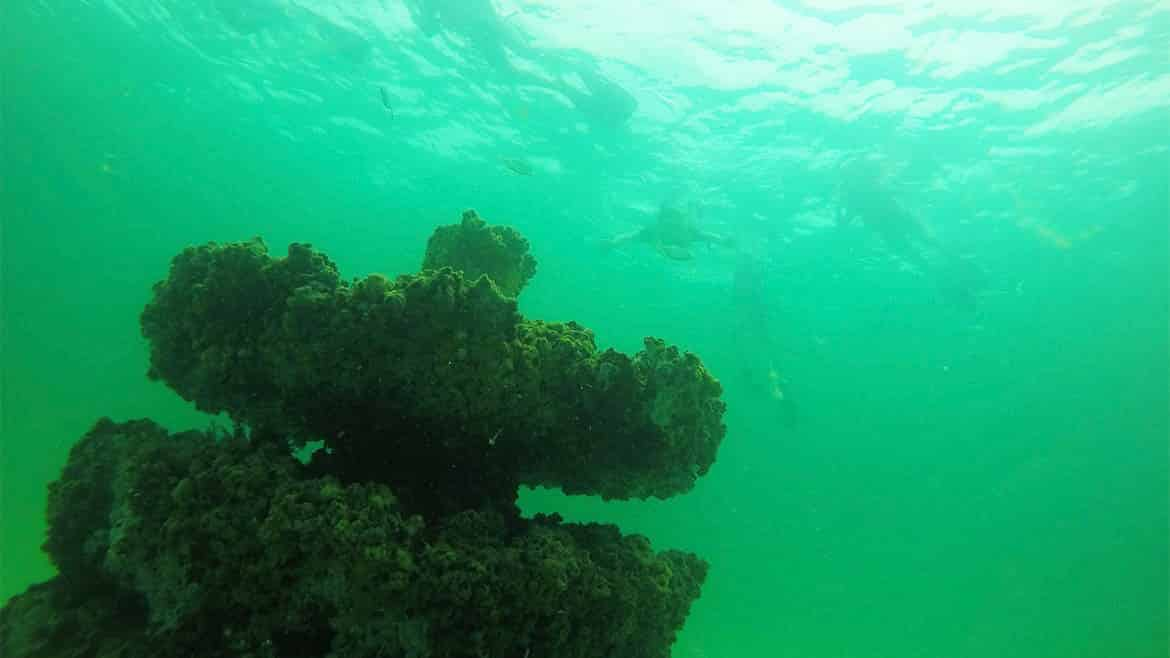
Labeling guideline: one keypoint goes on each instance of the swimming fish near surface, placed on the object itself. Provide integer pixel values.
(516, 165)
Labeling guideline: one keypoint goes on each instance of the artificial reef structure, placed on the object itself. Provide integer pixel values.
(426, 401)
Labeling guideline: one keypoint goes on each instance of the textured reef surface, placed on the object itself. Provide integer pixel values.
(426, 401)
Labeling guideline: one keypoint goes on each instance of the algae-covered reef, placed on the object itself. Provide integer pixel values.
(429, 401)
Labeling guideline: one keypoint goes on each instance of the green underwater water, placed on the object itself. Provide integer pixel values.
(943, 480)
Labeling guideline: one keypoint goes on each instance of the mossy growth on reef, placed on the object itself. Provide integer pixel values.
(433, 401)
(476, 248)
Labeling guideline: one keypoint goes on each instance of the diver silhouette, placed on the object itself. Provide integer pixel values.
(862, 197)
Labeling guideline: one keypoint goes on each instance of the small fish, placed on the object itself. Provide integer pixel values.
(675, 252)
(518, 166)
(787, 413)
(774, 387)
(387, 102)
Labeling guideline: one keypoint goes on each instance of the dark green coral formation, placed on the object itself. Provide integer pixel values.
(430, 382)
(433, 400)
(475, 248)
(198, 545)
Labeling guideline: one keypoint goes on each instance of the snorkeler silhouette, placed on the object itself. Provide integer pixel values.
(604, 103)
(757, 346)
(861, 196)
(674, 230)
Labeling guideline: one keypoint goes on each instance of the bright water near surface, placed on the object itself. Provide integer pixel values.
(947, 446)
